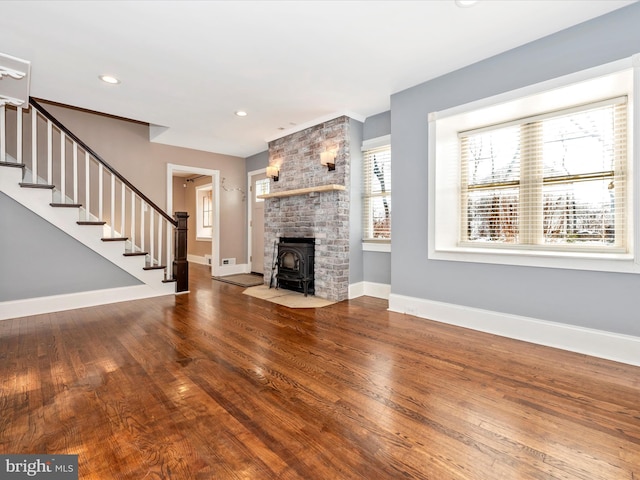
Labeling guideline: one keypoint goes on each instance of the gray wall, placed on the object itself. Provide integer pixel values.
(377, 265)
(40, 260)
(605, 301)
(257, 161)
(377, 126)
(356, 273)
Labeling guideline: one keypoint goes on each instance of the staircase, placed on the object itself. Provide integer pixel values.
(47, 169)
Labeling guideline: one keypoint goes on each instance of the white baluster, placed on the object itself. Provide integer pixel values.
(34, 145)
(100, 190)
(75, 172)
(19, 136)
(87, 189)
(112, 208)
(160, 220)
(151, 237)
(3, 137)
(168, 245)
(142, 244)
(63, 168)
(49, 152)
(133, 221)
(122, 205)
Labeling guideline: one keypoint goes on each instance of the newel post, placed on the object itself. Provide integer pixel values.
(180, 264)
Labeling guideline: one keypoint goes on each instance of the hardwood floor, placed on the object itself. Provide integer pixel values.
(219, 385)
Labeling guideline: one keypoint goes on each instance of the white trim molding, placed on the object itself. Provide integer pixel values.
(376, 247)
(5, 100)
(59, 303)
(10, 72)
(597, 343)
(221, 270)
(200, 260)
(376, 142)
(224, 270)
(369, 289)
(15, 76)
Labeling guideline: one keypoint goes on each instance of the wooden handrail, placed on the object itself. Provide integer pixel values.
(89, 150)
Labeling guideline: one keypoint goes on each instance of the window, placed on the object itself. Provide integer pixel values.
(204, 212)
(542, 176)
(556, 181)
(377, 192)
(207, 211)
(263, 186)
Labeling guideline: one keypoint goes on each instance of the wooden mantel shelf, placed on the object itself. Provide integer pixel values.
(303, 191)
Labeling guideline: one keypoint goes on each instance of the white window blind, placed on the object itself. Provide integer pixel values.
(377, 194)
(552, 181)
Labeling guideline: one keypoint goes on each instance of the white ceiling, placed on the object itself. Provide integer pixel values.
(187, 66)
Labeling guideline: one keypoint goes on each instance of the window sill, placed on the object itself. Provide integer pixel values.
(610, 262)
(376, 247)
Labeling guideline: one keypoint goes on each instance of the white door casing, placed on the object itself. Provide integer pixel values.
(175, 170)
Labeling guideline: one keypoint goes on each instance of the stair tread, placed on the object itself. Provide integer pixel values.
(36, 185)
(169, 280)
(86, 222)
(154, 267)
(115, 239)
(66, 205)
(12, 164)
(134, 254)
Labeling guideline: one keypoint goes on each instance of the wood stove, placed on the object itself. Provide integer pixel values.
(295, 264)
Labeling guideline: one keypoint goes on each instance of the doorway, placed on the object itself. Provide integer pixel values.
(258, 185)
(184, 171)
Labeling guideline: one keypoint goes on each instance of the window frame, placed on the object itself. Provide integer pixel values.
(531, 180)
(373, 244)
(611, 80)
(203, 233)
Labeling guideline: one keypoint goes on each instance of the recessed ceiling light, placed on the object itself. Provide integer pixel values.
(241, 113)
(466, 3)
(109, 79)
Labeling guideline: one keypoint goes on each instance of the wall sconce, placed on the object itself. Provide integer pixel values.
(273, 172)
(328, 159)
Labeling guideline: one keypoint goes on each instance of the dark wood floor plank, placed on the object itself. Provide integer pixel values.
(215, 384)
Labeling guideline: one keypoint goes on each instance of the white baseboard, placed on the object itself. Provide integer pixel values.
(59, 303)
(370, 289)
(597, 343)
(222, 270)
(356, 290)
(197, 259)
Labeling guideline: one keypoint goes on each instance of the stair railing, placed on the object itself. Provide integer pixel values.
(53, 155)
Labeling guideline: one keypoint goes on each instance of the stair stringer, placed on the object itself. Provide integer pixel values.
(37, 200)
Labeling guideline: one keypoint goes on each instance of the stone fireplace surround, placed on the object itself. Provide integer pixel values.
(309, 201)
